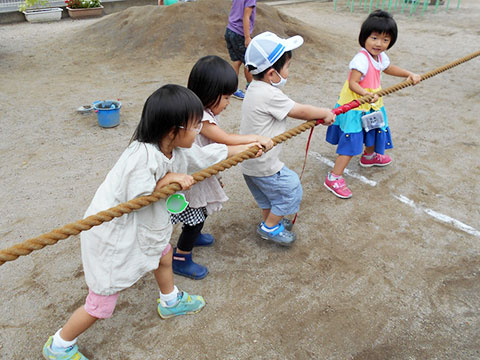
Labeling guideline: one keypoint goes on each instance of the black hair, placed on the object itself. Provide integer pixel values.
(278, 65)
(379, 21)
(167, 108)
(210, 78)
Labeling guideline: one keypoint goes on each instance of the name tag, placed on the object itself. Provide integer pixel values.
(372, 121)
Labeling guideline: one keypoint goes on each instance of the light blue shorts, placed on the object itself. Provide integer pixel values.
(281, 192)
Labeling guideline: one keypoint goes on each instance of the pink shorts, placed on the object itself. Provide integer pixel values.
(102, 306)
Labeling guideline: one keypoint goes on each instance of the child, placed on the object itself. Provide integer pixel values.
(237, 35)
(118, 253)
(378, 33)
(276, 188)
(213, 80)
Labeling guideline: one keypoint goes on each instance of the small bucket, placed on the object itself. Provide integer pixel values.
(176, 203)
(108, 112)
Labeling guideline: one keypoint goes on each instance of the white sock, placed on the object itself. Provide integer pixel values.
(369, 156)
(58, 344)
(269, 229)
(332, 176)
(171, 298)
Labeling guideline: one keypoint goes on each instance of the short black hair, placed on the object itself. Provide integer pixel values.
(278, 65)
(210, 78)
(167, 108)
(378, 21)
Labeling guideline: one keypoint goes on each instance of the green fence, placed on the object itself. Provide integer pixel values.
(403, 6)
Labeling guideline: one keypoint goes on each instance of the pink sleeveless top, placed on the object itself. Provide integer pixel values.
(370, 82)
(371, 79)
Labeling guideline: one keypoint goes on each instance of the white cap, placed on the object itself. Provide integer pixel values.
(266, 48)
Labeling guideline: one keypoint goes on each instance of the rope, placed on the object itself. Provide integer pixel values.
(52, 237)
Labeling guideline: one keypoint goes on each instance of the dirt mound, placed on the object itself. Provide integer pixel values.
(189, 29)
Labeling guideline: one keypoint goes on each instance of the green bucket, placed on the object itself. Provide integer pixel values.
(176, 203)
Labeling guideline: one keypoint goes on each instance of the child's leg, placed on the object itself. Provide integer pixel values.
(272, 219)
(183, 263)
(248, 75)
(164, 274)
(62, 344)
(172, 302)
(288, 224)
(191, 236)
(340, 164)
(265, 213)
(236, 66)
(369, 149)
(187, 238)
(77, 324)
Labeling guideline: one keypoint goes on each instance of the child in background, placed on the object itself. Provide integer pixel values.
(213, 80)
(276, 188)
(377, 34)
(118, 253)
(237, 35)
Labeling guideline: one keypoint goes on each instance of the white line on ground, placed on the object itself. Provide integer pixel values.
(440, 217)
(347, 172)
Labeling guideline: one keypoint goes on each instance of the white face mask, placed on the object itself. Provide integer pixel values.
(281, 83)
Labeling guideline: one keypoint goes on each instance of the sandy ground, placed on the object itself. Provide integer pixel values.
(379, 276)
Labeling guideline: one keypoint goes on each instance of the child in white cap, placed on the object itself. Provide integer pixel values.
(276, 188)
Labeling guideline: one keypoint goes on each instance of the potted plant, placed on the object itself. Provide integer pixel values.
(84, 8)
(39, 14)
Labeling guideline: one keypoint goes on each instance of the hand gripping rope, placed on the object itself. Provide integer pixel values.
(52, 237)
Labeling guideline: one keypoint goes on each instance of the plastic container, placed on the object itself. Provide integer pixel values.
(43, 15)
(176, 203)
(108, 112)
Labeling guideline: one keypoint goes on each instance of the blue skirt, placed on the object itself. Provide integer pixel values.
(348, 134)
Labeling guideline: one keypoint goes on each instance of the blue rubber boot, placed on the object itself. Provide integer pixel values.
(183, 264)
(204, 240)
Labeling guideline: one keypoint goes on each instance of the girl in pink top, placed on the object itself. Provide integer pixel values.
(354, 132)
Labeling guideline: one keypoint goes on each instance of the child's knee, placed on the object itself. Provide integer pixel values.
(166, 259)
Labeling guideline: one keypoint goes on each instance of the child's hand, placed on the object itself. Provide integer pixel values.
(260, 152)
(247, 146)
(237, 149)
(328, 119)
(266, 142)
(184, 180)
(415, 78)
(374, 97)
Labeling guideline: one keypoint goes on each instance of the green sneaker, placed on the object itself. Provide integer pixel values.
(187, 304)
(72, 352)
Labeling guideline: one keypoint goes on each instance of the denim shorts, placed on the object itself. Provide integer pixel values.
(235, 45)
(281, 192)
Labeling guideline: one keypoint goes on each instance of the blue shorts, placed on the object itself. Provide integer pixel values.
(281, 192)
(235, 45)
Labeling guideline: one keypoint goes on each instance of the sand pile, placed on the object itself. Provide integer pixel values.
(189, 30)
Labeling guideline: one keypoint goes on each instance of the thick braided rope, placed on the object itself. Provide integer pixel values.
(425, 76)
(52, 237)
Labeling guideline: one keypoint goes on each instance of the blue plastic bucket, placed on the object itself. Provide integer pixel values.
(108, 112)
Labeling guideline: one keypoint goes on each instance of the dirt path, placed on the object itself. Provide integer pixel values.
(379, 276)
